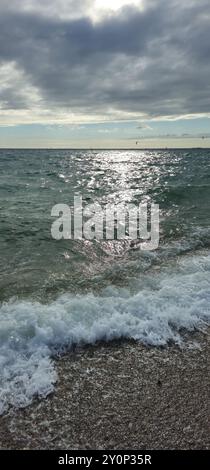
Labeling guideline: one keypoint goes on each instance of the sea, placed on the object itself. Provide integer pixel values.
(56, 295)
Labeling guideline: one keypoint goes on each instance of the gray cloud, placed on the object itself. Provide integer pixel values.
(154, 61)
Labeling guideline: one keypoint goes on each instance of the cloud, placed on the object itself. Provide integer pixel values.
(136, 63)
(49, 8)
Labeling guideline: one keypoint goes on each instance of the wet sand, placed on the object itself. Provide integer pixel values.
(120, 395)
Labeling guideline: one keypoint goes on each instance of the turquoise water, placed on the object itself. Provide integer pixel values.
(55, 294)
(32, 181)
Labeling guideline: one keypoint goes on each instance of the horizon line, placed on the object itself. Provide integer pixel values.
(105, 148)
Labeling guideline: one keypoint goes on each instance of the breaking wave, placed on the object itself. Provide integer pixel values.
(161, 306)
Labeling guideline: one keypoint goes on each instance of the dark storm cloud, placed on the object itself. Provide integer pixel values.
(154, 61)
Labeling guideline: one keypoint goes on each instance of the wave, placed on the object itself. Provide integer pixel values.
(162, 305)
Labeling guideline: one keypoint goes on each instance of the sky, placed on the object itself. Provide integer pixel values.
(104, 73)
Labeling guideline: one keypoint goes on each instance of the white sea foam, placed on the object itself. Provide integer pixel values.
(30, 333)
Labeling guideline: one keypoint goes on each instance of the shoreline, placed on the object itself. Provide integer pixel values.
(120, 395)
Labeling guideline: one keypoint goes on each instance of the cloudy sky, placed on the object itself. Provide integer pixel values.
(104, 73)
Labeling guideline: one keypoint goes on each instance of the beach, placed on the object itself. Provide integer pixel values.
(98, 336)
(120, 395)
(104, 231)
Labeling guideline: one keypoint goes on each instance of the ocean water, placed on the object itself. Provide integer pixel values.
(56, 294)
